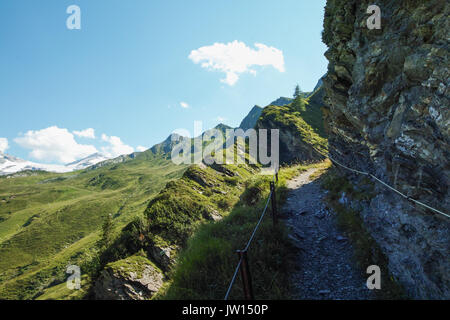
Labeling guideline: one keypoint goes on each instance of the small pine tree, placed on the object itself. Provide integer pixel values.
(298, 103)
(105, 241)
(297, 92)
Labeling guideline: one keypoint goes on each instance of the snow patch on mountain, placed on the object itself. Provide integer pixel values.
(10, 164)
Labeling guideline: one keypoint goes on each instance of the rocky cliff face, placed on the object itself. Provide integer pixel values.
(387, 96)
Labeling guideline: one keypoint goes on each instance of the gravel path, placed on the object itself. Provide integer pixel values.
(325, 269)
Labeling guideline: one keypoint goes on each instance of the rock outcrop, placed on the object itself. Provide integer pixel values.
(163, 256)
(388, 97)
(133, 278)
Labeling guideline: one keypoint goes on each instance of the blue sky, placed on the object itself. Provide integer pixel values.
(129, 68)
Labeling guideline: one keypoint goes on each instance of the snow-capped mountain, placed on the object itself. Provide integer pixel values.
(10, 164)
(87, 162)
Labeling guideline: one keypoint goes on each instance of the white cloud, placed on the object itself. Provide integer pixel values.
(116, 147)
(3, 144)
(221, 119)
(141, 148)
(54, 144)
(87, 133)
(184, 105)
(236, 57)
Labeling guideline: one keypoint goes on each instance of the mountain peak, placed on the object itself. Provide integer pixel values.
(166, 146)
(250, 120)
(222, 127)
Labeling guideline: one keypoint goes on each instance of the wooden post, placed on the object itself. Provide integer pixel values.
(274, 203)
(245, 275)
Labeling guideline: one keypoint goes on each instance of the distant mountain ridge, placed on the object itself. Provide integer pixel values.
(251, 119)
(88, 161)
(281, 101)
(10, 164)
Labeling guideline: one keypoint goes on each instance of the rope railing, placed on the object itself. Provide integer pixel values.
(233, 279)
(259, 222)
(243, 260)
(383, 183)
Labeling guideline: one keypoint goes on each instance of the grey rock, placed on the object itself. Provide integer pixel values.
(128, 280)
(163, 256)
(391, 118)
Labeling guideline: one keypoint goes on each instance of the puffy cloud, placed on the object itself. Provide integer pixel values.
(236, 57)
(184, 105)
(3, 144)
(221, 119)
(141, 148)
(54, 144)
(116, 147)
(87, 133)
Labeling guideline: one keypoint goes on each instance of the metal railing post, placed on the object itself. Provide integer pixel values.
(274, 203)
(245, 275)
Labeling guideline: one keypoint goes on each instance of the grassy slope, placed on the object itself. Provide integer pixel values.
(207, 263)
(48, 221)
(175, 212)
(178, 216)
(305, 122)
(313, 113)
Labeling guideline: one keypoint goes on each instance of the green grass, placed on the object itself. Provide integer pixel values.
(59, 291)
(303, 121)
(313, 114)
(205, 266)
(181, 207)
(51, 220)
(176, 211)
(135, 263)
(366, 250)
